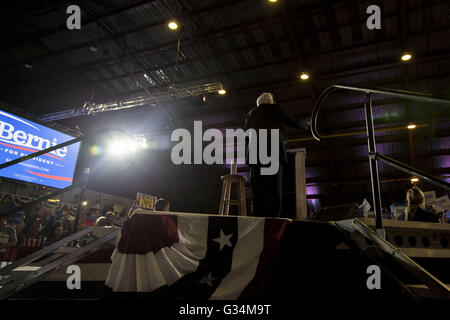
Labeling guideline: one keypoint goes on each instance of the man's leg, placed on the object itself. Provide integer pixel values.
(273, 192)
(257, 183)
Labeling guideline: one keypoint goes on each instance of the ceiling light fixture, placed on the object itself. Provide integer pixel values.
(406, 57)
(304, 76)
(172, 25)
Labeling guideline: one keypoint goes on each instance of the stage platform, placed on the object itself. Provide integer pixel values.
(162, 255)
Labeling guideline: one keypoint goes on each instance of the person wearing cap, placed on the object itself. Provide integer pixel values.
(110, 218)
(101, 222)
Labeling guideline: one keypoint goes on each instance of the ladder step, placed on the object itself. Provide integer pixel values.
(27, 269)
(22, 273)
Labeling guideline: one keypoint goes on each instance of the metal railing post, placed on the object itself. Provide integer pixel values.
(375, 179)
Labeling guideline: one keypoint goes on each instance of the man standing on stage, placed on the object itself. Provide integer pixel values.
(267, 189)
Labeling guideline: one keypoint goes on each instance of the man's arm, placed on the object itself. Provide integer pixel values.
(289, 121)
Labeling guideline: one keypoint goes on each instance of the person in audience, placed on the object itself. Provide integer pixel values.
(8, 237)
(121, 218)
(42, 211)
(56, 235)
(17, 223)
(415, 207)
(65, 210)
(106, 208)
(110, 217)
(32, 235)
(68, 223)
(84, 215)
(47, 215)
(162, 205)
(91, 217)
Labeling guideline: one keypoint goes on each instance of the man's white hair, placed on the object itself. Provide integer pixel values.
(266, 97)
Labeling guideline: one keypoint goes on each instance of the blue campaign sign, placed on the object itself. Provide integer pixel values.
(20, 137)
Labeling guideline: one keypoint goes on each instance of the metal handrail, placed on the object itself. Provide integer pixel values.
(438, 288)
(410, 170)
(373, 157)
(419, 97)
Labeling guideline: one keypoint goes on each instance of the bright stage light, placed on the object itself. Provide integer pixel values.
(172, 25)
(414, 179)
(116, 147)
(304, 76)
(143, 143)
(222, 91)
(406, 57)
(273, 1)
(411, 126)
(122, 147)
(133, 146)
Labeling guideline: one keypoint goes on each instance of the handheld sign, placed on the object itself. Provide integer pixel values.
(430, 197)
(145, 201)
(442, 204)
(399, 212)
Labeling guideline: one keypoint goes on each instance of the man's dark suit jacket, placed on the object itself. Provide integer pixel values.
(272, 116)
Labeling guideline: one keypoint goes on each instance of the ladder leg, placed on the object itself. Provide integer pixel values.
(227, 197)
(222, 197)
(243, 203)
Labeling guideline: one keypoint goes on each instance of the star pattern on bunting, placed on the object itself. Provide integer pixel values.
(223, 240)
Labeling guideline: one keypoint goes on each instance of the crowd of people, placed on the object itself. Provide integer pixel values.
(42, 226)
